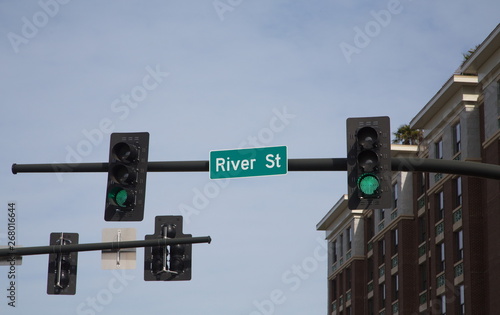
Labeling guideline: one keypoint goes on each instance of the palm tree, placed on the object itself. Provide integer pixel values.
(469, 53)
(406, 135)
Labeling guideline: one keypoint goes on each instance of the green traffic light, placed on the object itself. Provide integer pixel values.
(121, 197)
(368, 184)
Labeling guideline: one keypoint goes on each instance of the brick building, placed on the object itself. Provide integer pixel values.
(437, 250)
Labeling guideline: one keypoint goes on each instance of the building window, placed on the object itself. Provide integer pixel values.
(370, 227)
(438, 149)
(381, 289)
(459, 245)
(381, 251)
(440, 257)
(348, 278)
(498, 94)
(443, 304)
(395, 241)
(381, 214)
(341, 249)
(370, 269)
(457, 146)
(371, 309)
(334, 289)
(439, 206)
(422, 229)
(461, 300)
(458, 191)
(395, 287)
(334, 251)
(421, 182)
(498, 102)
(349, 238)
(341, 282)
(395, 194)
(423, 276)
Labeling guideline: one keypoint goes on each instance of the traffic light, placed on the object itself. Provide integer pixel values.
(369, 163)
(127, 169)
(171, 262)
(62, 266)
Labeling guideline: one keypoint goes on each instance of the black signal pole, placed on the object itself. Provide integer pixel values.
(40, 250)
(484, 170)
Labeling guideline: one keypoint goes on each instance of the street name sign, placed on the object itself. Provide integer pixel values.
(265, 161)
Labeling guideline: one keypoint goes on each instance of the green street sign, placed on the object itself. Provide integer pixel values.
(251, 162)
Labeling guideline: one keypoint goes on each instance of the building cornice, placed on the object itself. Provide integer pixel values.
(447, 91)
(483, 52)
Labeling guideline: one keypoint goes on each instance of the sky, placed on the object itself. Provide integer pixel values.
(202, 76)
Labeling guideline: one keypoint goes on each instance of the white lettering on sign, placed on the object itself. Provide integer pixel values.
(231, 165)
(275, 162)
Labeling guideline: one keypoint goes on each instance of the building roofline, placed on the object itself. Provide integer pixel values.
(482, 53)
(397, 149)
(332, 215)
(450, 88)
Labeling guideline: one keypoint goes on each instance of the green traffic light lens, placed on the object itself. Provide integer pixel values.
(368, 184)
(121, 197)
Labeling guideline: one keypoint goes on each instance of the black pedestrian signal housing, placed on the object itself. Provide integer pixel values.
(127, 169)
(62, 268)
(369, 163)
(171, 262)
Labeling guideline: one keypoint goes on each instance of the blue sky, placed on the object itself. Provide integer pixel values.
(202, 76)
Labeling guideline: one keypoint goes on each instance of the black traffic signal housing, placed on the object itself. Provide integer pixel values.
(127, 169)
(369, 163)
(171, 262)
(62, 270)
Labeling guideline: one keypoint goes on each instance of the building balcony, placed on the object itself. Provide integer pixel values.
(381, 274)
(394, 261)
(369, 249)
(439, 231)
(394, 264)
(394, 214)
(440, 283)
(369, 287)
(421, 203)
(338, 305)
(440, 228)
(459, 272)
(395, 308)
(438, 177)
(457, 218)
(381, 225)
(422, 298)
(335, 265)
(422, 301)
(422, 248)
